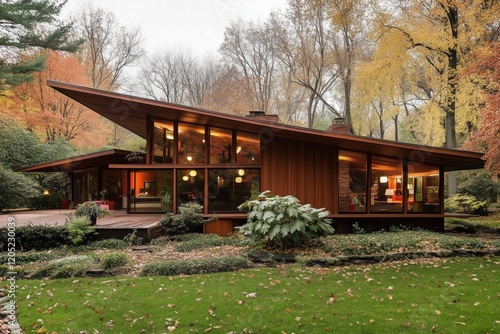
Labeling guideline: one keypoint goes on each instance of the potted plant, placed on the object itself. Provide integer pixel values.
(92, 211)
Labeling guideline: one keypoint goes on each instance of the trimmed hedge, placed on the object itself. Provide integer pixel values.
(206, 241)
(24, 258)
(107, 244)
(36, 237)
(113, 260)
(205, 266)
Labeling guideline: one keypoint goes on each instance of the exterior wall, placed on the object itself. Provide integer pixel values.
(344, 190)
(222, 227)
(304, 170)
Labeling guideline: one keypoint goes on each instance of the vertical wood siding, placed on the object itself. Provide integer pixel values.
(222, 227)
(304, 170)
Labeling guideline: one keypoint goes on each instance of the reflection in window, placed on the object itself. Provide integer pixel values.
(163, 148)
(151, 190)
(352, 181)
(86, 185)
(220, 146)
(386, 195)
(112, 187)
(190, 186)
(228, 188)
(191, 144)
(423, 188)
(247, 148)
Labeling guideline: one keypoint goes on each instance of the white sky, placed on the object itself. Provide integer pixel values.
(197, 25)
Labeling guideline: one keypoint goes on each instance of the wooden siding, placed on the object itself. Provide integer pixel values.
(222, 227)
(304, 170)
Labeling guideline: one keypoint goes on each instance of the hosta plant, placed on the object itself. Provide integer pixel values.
(283, 222)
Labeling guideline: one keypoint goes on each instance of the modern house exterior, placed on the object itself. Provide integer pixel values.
(221, 160)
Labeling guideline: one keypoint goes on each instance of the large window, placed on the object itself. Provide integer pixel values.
(423, 188)
(352, 181)
(190, 186)
(163, 143)
(247, 148)
(221, 142)
(86, 185)
(151, 191)
(209, 166)
(386, 185)
(228, 188)
(191, 146)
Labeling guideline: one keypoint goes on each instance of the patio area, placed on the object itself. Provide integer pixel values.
(116, 225)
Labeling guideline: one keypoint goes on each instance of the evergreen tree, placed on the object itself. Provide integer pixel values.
(26, 25)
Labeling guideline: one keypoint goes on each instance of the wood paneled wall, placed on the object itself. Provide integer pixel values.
(304, 170)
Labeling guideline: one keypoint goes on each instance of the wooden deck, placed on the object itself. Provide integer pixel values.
(116, 225)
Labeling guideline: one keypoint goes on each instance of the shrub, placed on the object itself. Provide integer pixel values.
(133, 239)
(80, 231)
(19, 272)
(37, 237)
(206, 241)
(24, 258)
(206, 266)
(465, 204)
(283, 221)
(188, 220)
(108, 244)
(15, 189)
(73, 266)
(113, 260)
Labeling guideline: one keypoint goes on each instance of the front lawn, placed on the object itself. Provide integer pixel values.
(453, 295)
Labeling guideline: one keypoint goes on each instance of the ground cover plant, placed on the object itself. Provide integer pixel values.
(454, 295)
(402, 241)
(489, 224)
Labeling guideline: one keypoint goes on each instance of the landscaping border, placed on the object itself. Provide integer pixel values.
(264, 257)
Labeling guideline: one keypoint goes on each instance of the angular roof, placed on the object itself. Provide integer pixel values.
(103, 158)
(133, 112)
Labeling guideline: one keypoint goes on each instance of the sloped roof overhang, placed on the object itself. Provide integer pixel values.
(92, 160)
(132, 113)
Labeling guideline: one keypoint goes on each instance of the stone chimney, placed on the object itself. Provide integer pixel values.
(261, 116)
(339, 126)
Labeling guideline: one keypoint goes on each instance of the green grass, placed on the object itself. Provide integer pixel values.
(454, 295)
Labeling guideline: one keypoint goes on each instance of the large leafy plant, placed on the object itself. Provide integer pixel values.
(283, 222)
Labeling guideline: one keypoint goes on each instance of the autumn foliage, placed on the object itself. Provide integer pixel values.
(47, 112)
(487, 70)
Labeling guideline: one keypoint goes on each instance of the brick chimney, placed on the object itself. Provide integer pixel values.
(339, 126)
(261, 116)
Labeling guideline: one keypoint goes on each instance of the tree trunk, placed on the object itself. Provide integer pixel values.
(450, 122)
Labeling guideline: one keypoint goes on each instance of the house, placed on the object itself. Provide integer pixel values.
(220, 160)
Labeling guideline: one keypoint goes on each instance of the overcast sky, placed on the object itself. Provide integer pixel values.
(194, 24)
